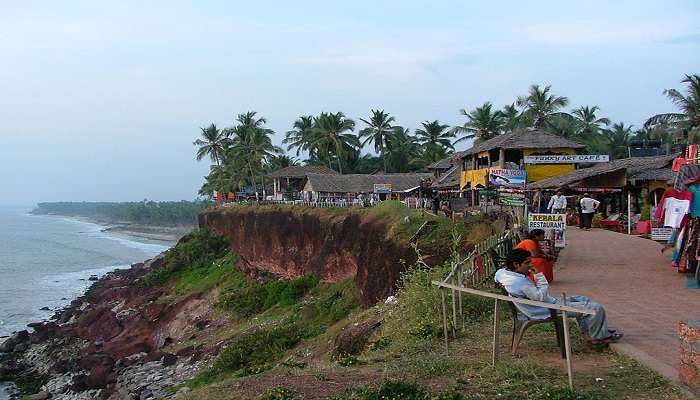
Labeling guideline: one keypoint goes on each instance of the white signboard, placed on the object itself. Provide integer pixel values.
(661, 234)
(554, 226)
(567, 159)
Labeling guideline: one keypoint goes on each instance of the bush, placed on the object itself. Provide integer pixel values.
(398, 390)
(196, 251)
(279, 393)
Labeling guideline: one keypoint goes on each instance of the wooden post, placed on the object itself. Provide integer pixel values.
(567, 345)
(454, 310)
(629, 212)
(496, 331)
(444, 317)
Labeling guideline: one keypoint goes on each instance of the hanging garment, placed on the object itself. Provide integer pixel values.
(660, 214)
(691, 247)
(687, 171)
(675, 211)
(678, 163)
(694, 189)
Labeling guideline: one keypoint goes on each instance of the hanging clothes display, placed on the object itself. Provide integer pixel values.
(673, 207)
(691, 247)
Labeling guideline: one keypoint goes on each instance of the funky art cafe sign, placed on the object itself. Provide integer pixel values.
(567, 159)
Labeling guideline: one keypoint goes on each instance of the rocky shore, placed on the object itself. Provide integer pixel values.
(110, 343)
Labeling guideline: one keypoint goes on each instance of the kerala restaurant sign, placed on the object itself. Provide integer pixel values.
(567, 159)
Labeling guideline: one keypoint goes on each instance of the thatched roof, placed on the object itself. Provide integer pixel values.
(661, 174)
(445, 163)
(522, 138)
(636, 167)
(362, 183)
(300, 171)
(448, 180)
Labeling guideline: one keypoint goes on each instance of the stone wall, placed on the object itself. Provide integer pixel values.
(689, 371)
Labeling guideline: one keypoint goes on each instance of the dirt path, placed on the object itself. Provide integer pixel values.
(645, 298)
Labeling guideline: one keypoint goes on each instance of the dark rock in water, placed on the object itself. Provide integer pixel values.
(45, 308)
(64, 298)
(353, 339)
(93, 278)
(14, 340)
(81, 279)
(34, 324)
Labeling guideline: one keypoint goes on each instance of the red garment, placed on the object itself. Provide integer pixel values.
(677, 194)
(677, 162)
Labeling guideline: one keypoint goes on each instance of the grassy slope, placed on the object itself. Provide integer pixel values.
(281, 334)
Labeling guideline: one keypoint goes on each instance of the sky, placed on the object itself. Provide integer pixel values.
(101, 100)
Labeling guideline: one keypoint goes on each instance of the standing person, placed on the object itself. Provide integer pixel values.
(542, 262)
(435, 206)
(557, 204)
(588, 207)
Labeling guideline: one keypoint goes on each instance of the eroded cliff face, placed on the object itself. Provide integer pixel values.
(334, 245)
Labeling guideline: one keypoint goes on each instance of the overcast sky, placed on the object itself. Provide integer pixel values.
(101, 100)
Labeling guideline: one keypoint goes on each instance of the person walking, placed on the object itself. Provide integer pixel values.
(557, 204)
(588, 207)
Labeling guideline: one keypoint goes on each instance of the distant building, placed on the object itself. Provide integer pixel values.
(291, 179)
(327, 187)
(509, 150)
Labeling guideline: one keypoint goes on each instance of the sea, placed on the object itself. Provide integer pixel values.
(46, 261)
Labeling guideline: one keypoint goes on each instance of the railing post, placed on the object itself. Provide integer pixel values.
(567, 345)
(496, 331)
(444, 317)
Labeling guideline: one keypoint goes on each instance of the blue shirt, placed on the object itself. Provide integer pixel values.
(695, 202)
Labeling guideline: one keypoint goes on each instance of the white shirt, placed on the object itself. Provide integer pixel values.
(589, 205)
(674, 211)
(518, 285)
(557, 203)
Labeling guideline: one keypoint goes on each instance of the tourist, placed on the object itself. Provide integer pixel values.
(435, 206)
(557, 204)
(446, 209)
(514, 278)
(542, 262)
(588, 207)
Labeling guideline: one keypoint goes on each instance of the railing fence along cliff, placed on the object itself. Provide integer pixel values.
(476, 269)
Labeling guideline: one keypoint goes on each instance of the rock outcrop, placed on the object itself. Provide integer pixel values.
(294, 242)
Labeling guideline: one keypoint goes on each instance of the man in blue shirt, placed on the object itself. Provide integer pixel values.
(514, 279)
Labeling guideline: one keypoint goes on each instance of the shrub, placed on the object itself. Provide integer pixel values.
(398, 390)
(279, 393)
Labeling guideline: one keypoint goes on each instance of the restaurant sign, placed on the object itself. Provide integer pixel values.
(507, 177)
(554, 226)
(567, 159)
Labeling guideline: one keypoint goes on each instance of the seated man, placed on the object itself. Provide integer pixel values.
(514, 279)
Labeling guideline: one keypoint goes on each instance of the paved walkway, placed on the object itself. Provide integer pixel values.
(644, 297)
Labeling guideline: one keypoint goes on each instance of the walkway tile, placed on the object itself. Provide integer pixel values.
(645, 298)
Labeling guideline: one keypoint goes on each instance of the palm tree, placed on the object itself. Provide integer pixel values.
(251, 144)
(301, 135)
(331, 137)
(618, 140)
(562, 126)
(402, 150)
(539, 106)
(483, 124)
(280, 161)
(214, 144)
(435, 134)
(688, 119)
(588, 121)
(512, 118)
(378, 131)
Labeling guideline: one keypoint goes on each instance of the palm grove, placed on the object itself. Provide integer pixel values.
(243, 155)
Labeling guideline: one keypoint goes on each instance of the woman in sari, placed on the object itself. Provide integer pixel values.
(541, 261)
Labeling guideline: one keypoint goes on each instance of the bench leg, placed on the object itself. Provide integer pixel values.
(519, 332)
(559, 329)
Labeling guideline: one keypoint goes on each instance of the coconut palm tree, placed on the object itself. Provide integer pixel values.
(301, 135)
(512, 117)
(688, 119)
(332, 137)
(252, 144)
(379, 129)
(540, 106)
(280, 161)
(618, 140)
(403, 150)
(214, 144)
(588, 121)
(435, 134)
(482, 124)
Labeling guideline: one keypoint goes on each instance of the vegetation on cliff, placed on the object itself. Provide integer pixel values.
(163, 213)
